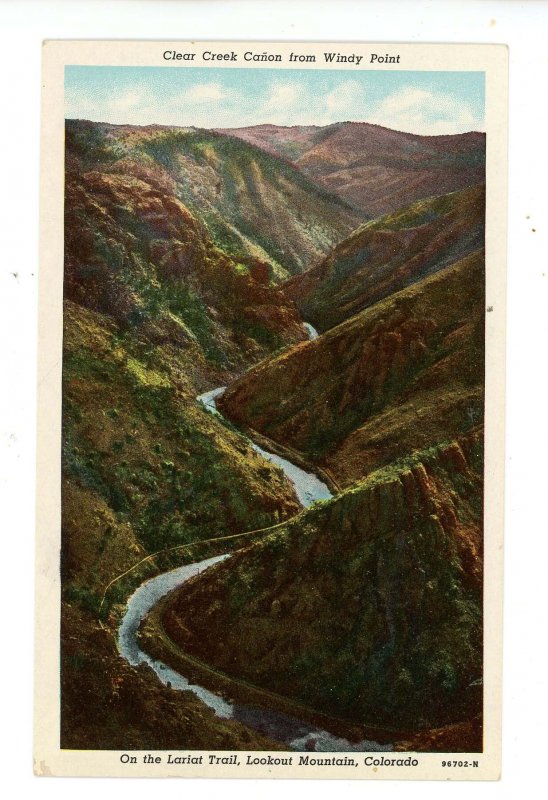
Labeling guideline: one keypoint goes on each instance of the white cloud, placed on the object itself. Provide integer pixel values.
(424, 112)
(130, 100)
(206, 93)
(214, 104)
(290, 104)
(346, 98)
(283, 96)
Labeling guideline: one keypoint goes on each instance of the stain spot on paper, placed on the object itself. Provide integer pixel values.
(42, 770)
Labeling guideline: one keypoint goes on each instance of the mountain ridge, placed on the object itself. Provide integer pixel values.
(387, 380)
(376, 169)
(389, 253)
(255, 206)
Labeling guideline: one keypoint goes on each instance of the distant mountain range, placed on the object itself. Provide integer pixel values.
(375, 169)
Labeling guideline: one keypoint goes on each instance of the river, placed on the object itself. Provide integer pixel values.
(293, 733)
(308, 487)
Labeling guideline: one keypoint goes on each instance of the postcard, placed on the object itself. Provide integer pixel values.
(271, 410)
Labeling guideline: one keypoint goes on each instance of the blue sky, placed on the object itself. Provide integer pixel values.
(426, 103)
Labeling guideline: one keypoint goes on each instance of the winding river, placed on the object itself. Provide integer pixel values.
(308, 487)
(293, 733)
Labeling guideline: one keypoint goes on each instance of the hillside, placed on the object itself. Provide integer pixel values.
(367, 607)
(145, 467)
(108, 705)
(375, 169)
(387, 254)
(401, 375)
(154, 314)
(136, 253)
(256, 207)
(184, 250)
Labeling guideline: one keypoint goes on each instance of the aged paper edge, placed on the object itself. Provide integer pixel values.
(49, 759)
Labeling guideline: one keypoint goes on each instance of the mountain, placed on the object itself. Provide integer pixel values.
(375, 169)
(145, 466)
(154, 314)
(256, 207)
(387, 254)
(401, 375)
(367, 607)
(135, 252)
(178, 248)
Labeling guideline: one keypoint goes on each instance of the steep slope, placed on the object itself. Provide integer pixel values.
(258, 208)
(154, 314)
(174, 243)
(399, 376)
(387, 254)
(134, 252)
(367, 607)
(109, 705)
(145, 466)
(373, 168)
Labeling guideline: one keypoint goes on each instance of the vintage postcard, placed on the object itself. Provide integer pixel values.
(271, 410)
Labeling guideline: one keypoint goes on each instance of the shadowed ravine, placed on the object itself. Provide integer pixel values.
(288, 730)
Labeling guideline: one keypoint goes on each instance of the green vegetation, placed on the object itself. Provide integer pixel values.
(135, 437)
(109, 705)
(389, 253)
(254, 205)
(136, 254)
(401, 375)
(367, 606)
(188, 306)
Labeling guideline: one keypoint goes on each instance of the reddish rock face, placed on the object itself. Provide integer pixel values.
(177, 241)
(131, 246)
(367, 607)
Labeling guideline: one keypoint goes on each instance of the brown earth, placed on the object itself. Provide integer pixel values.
(463, 737)
(255, 207)
(367, 607)
(108, 705)
(136, 254)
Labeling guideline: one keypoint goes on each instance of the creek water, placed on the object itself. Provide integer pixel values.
(308, 487)
(295, 734)
(311, 330)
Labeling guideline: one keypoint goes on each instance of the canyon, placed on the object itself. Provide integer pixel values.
(332, 279)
